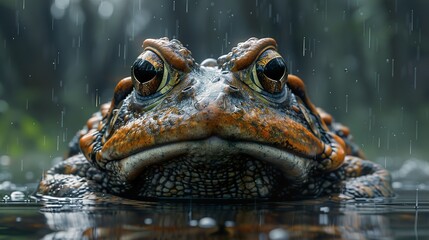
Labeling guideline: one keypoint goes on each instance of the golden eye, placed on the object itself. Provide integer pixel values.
(149, 74)
(270, 72)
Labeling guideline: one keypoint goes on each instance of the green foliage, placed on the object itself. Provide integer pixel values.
(22, 132)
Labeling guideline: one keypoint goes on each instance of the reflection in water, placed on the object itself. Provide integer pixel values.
(292, 220)
(311, 219)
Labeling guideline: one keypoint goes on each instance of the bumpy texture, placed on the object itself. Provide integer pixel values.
(237, 128)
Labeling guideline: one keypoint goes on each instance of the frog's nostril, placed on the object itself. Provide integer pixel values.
(233, 88)
(186, 89)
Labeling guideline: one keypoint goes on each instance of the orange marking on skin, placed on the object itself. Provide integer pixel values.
(86, 142)
(338, 153)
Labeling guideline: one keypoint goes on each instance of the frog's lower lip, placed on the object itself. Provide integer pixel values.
(293, 166)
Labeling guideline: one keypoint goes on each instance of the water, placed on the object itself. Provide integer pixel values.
(396, 218)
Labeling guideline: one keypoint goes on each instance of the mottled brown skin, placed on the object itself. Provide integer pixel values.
(240, 127)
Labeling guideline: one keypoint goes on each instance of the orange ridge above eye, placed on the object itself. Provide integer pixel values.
(245, 53)
(172, 51)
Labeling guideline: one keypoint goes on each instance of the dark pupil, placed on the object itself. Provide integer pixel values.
(143, 70)
(275, 69)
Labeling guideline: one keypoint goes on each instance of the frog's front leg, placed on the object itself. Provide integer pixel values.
(358, 178)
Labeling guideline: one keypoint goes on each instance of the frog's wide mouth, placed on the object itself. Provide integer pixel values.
(211, 151)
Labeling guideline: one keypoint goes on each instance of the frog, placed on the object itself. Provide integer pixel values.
(239, 127)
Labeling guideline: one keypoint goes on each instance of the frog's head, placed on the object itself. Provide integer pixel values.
(237, 127)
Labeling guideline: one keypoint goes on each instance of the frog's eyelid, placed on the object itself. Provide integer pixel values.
(165, 76)
(255, 78)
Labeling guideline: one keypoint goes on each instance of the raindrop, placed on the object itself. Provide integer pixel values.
(148, 221)
(105, 9)
(278, 234)
(411, 146)
(62, 4)
(303, 47)
(393, 67)
(62, 118)
(125, 53)
(417, 130)
(23, 4)
(174, 6)
(415, 78)
(347, 102)
(369, 38)
(417, 199)
(56, 13)
(207, 222)
(96, 98)
(18, 219)
(5, 160)
(229, 223)
(193, 223)
(187, 6)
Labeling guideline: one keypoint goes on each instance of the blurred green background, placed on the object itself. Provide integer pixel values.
(364, 61)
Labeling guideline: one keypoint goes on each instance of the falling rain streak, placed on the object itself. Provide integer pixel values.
(303, 47)
(415, 78)
(369, 38)
(417, 130)
(347, 103)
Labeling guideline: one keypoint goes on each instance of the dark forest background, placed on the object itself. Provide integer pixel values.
(364, 61)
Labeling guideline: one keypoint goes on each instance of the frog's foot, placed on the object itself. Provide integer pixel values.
(72, 178)
(358, 178)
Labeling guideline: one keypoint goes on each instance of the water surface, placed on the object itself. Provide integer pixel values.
(400, 218)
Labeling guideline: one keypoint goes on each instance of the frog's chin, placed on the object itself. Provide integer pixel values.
(211, 152)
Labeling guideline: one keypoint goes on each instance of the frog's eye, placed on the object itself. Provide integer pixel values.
(148, 73)
(270, 72)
